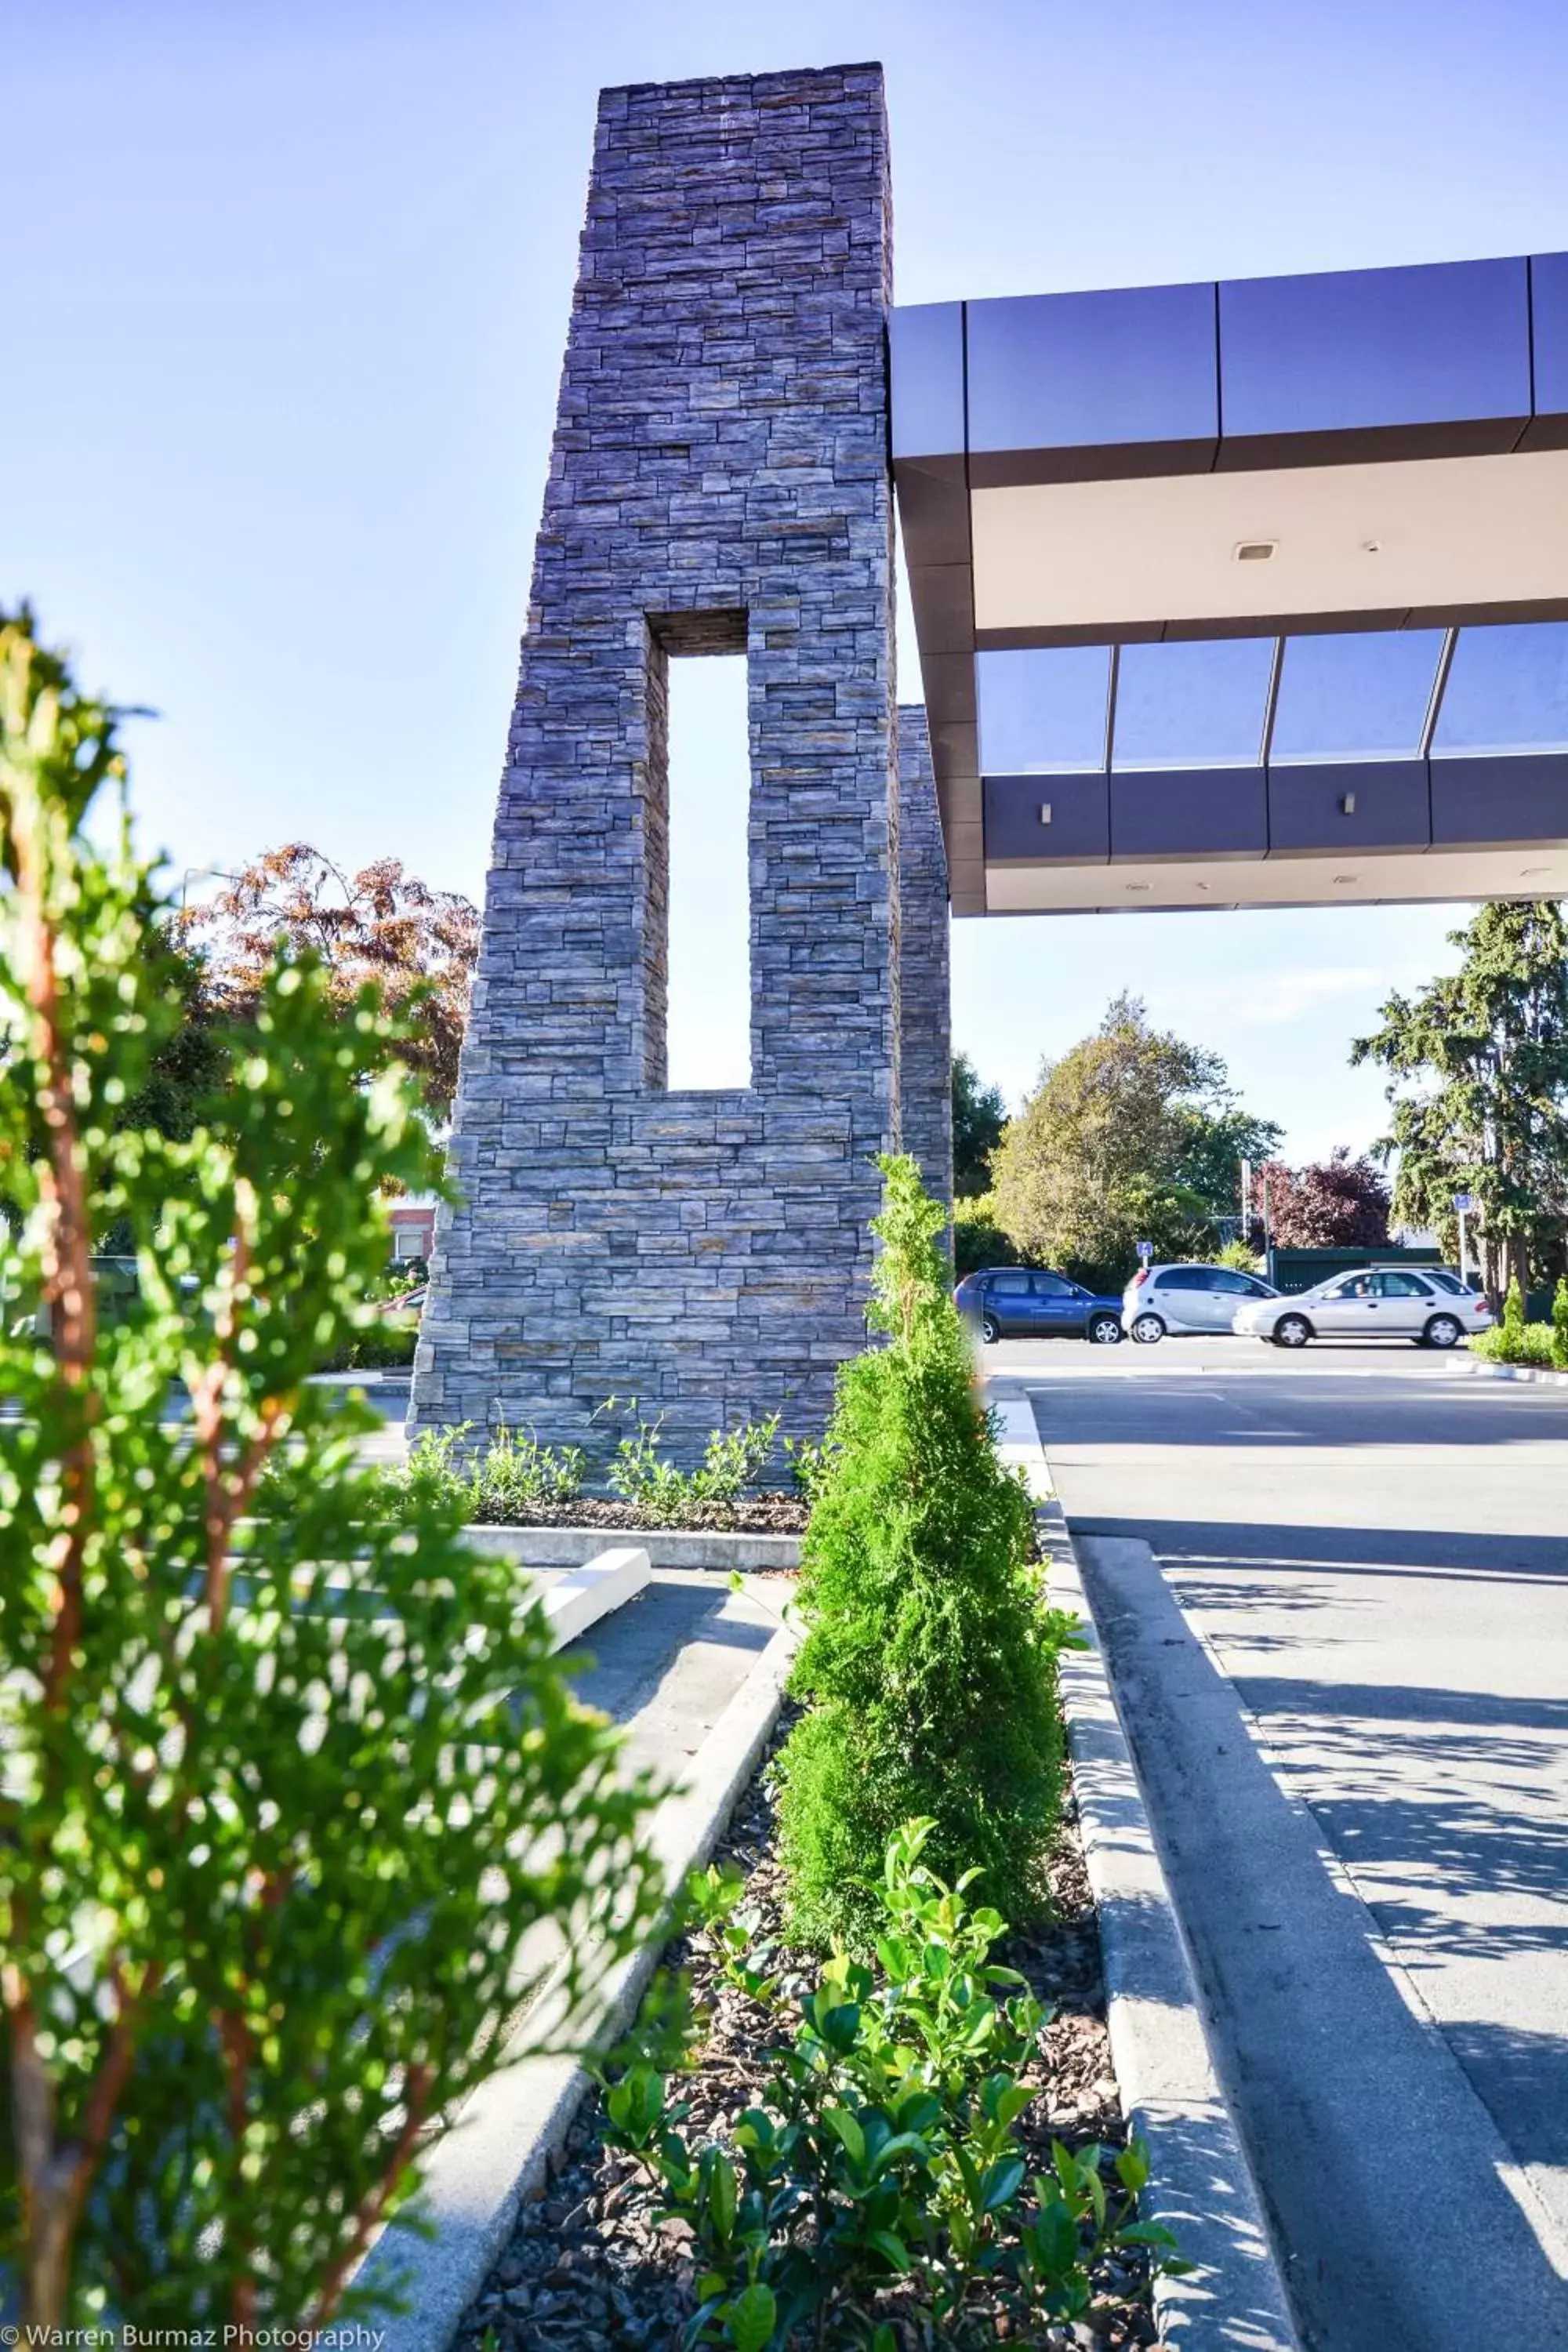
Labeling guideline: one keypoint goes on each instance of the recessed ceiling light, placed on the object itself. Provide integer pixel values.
(1526, 871)
(1138, 886)
(1255, 550)
(1371, 547)
(1344, 877)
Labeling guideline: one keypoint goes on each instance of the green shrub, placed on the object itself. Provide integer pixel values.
(270, 1833)
(732, 1461)
(387, 1344)
(882, 2159)
(1513, 1313)
(1522, 1343)
(977, 1239)
(1559, 1324)
(930, 1656)
(1239, 1254)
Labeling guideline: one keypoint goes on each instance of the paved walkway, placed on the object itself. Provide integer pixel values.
(1334, 1598)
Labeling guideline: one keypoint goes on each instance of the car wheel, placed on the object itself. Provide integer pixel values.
(1292, 1332)
(1104, 1330)
(1147, 1329)
(1443, 1331)
(990, 1331)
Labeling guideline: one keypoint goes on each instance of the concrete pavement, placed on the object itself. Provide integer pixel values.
(1333, 1595)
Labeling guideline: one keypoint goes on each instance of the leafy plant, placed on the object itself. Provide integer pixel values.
(1524, 1343)
(384, 1344)
(930, 1657)
(1559, 1324)
(1239, 1254)
(731, 1462)
(283, 1785)
(810, 1461)
(516, 1473)
(882, 2166)
(1514, 1314)
(977, 1239)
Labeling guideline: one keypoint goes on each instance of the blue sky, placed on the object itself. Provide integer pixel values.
(286, 298)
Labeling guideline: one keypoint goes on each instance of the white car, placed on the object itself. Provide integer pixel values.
(1377, 1302)
(1187, 1299)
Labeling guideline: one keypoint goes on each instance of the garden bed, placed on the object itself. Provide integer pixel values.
(755, 1515)
(587, 2269)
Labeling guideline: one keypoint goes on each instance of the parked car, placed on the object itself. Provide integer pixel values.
(1379, 1302)
(1179, 1299)
(1017, 1302)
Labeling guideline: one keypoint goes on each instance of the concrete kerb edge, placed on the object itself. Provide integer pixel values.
(605, 1583)
(498, 2153)
(1477, 1368)
(1201, 2185)
(666, 1547)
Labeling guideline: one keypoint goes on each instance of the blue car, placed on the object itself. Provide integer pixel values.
(1016, 1302)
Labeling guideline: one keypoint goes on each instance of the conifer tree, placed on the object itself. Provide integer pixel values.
(930, 1656)
(1478, 1062)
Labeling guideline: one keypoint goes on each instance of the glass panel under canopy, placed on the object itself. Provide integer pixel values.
(1360, 696)
(1192, 703)
(1042, 709)
(1507, 690)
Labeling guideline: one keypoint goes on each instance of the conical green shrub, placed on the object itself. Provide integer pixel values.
(930, 1656)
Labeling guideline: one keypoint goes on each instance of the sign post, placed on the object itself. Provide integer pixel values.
(1463, 1203)
(1146, 1252)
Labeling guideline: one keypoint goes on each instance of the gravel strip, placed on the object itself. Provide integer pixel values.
(586, 2270)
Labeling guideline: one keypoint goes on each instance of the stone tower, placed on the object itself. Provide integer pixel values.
(720, 483)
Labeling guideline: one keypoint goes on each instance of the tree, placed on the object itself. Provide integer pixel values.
(417, 946)
(1479, 1084)
(288, 1778)
(979, 1116)
(977, 1239)
(1213, 1144)
(930, 1656)
(1335, 1203)
(1113, 1146)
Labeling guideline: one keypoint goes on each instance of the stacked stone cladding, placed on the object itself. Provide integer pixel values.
(925, 1050)
(719, 481)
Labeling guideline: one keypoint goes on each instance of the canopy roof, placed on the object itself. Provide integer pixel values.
(1245, 533)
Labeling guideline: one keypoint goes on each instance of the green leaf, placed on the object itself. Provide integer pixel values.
(841, 2026)
(844, 2129)
(749, 2317)
(722, 2193)
(1001, 2182)
(891, 2248)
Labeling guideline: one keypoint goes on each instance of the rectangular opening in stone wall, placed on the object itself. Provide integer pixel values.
(709, 801)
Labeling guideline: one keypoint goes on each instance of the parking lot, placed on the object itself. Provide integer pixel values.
(1338, 1582)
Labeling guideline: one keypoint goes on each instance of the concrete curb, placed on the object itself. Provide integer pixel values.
(603, 1583)
(1477, 1368)
(498, 2153)
(1201, 2186)
(666, 1547)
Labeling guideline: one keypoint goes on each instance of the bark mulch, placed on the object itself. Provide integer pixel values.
(588, 2270)
(755, 1515)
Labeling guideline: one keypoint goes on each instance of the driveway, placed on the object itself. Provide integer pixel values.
(1334, 1594)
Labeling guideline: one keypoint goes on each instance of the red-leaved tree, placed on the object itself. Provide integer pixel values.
(417, 944)
(1335, 1203)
